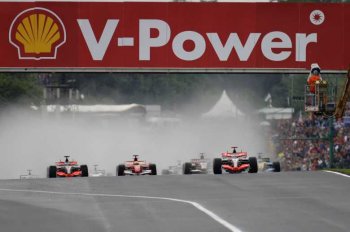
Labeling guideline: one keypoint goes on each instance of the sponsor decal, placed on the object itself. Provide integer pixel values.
(268, 42)
(37, 33)
(317, 17)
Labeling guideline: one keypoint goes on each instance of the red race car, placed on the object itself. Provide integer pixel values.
(235, 162)
(136, 167)
(67, 168)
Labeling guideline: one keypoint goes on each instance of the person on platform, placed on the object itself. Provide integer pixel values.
(315, 75)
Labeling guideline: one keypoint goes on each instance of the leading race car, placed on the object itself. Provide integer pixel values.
(67, 168)
(136, 167)
(197, 166)
(265, 165)
(235, 162)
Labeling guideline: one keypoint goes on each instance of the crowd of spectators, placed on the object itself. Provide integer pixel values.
(303, 143)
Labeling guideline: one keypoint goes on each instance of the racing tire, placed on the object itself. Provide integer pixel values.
(84, 170)
(276, 166)
(52, 172)
(153, 168)
(217, 166)
(121, 170)
(187, 168)
(253, 165)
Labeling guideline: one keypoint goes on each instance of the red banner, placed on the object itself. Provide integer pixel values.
(151, 36)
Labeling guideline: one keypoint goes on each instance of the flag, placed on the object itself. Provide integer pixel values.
(268, 97)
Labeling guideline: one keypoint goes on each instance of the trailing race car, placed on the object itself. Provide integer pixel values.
(265, 165)
(97, 172)
(67, 169)
(136, 167)
(29, 175)
(173, 170)
(235, 162)
(197, 166)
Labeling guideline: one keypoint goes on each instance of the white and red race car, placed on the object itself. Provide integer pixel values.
(235, 162)
(136, 167)
(67, 168)
(197, 166)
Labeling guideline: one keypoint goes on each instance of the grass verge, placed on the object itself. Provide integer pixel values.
(340, 170)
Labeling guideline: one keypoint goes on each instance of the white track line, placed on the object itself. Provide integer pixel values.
(338, 173)
(193, 203)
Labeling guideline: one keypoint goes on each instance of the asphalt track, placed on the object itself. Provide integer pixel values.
(286, 201)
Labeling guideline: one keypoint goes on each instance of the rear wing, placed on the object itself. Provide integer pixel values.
(199, 160)
(234, 155)
(71, 163)
(132, 162)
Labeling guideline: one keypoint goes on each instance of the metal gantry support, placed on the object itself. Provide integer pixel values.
(331, 135)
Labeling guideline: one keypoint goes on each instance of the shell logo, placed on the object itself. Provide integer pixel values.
(37, 33)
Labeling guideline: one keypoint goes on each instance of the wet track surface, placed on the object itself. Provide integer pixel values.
(287, 201)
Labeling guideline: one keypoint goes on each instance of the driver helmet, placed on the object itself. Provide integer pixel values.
(315, 69)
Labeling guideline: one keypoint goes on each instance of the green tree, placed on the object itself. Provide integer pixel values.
(21, 89)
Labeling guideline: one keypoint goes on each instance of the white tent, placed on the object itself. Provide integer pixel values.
(224, 108)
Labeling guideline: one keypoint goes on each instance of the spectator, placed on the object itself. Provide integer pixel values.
(310, 149)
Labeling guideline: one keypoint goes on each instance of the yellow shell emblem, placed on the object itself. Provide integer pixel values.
(37, 33)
